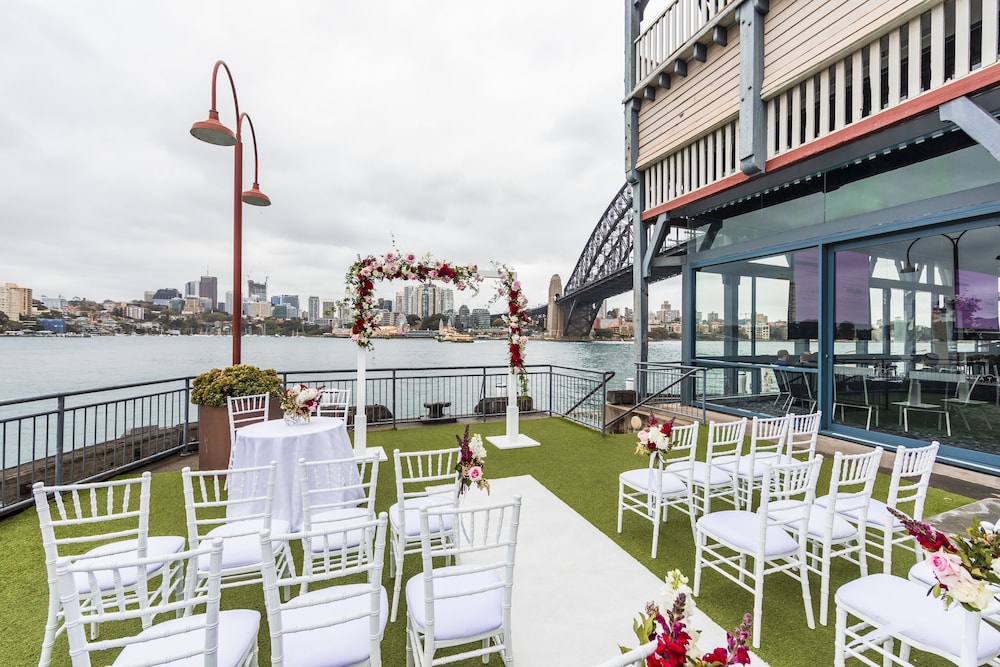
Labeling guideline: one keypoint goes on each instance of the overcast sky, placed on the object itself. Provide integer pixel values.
(474, 131)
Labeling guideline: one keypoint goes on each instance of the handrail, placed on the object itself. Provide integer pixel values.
(649, 399)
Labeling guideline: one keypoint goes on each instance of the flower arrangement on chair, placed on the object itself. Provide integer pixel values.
(654, 437)
(471, 461)
(675, 642)
(301, 401)
(964, 565)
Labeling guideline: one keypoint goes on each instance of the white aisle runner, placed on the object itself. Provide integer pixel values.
(576, 592)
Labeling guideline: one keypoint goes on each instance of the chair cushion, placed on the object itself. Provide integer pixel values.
(237, 635)
(641, 478)
(904, 609)
(878, 515)
(842, 528)
(412, 516)
(759, 462)
(462, 616)
(921, 573)
(155, 546)
(335, 645)
(739, 529)
(701, 472)
(240, 543)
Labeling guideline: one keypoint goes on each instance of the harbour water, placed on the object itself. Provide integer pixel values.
(38, 366)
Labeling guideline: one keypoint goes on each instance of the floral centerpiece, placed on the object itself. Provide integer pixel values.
(654, 437)
(665, 624)
(300, 402)
(470, 462)
(363, 273)
(965, 565)
(515, 318)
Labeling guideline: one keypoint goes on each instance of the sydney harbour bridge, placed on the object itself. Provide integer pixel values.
(606, 269)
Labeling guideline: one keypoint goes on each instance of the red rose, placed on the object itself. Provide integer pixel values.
(718, 656)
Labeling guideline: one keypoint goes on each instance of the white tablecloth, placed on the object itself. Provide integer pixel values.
(319, 439)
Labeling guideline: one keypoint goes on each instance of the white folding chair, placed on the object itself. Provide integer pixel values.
(340, 624)
(243, 411)
(218, 638)
(423, 479)
(651, 491)
(107, 521)
(911, 475)
(831, 535)
(891, 609)
(468, 602)
(724, 540)
(334, 403)
(767, 443)
(725, 441)
(336, 491)
(237, 517)
(803, 432)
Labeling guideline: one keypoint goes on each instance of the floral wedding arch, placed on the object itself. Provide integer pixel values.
(361, 279)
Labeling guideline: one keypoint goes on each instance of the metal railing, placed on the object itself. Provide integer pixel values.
(667, 387)
(94, 434)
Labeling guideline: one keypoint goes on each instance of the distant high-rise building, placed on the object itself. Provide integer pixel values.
(257, 291)
(464, 318)
(15, 301)
(148, 295)
(191, 288)
(313, 311)
(208, 288)
(387, 304)
(162, 296)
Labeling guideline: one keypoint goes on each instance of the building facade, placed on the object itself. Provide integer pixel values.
(835, 168)
(15, 301)
(208, 288)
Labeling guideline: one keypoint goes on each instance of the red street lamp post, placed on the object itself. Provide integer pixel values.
(214, 132)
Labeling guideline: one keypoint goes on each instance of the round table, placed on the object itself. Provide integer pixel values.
(319, 439)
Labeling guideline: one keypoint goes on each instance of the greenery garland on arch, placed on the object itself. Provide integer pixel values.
(363, 274)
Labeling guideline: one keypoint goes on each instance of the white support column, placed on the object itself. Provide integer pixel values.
(360, 414)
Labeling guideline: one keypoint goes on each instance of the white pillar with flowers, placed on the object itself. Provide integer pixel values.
(517, 379)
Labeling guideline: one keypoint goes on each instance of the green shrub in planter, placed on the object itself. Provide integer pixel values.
(212, 388)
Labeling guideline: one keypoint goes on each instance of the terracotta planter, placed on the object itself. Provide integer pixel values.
(213, 435)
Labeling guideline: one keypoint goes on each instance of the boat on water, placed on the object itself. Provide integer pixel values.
(452, 336)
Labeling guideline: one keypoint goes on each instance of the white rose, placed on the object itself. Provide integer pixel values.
(974, 593)
(477, 447)
(996, 566)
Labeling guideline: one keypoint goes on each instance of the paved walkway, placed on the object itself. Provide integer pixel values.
(576, 592)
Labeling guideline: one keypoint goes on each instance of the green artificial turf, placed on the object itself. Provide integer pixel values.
(577, 464)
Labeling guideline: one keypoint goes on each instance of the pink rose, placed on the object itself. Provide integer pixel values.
(947, 567)
(644, 437)
(475, 473)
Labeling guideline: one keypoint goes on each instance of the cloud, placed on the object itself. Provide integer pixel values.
(472, 131)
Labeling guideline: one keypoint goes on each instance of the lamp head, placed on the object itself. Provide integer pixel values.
(212, 131)
(255, 197)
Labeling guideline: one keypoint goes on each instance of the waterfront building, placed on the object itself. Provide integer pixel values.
(208, 288)
(259, 310)
(15, 301)
(192, 305)
(135, 312)
(834, 168)
(191, 288)
(424, 300)
(480, 318)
